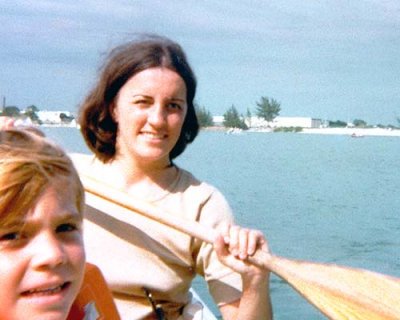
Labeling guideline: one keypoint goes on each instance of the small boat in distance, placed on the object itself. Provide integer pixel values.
(357, 135)
(234, 131)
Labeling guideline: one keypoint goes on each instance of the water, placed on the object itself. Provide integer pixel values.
(323, 198)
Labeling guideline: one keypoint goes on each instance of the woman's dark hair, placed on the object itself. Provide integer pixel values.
(150, 51)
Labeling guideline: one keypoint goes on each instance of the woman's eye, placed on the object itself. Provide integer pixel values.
(141, 103)
(175, 106)
(66, 227)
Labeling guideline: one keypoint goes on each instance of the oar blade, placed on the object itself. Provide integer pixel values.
(342, 292)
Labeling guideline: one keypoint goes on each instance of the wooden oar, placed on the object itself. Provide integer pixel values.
(338, 292)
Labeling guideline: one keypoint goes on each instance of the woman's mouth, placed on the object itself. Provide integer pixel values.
(154, 135)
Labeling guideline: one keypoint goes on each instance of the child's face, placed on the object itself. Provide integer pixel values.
(42, 258)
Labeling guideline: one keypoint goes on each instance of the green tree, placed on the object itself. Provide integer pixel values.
(232, 119)
(337, 124)
(65, 118)
(11, 111)
(31, 108)
(204, 116)
(359, 123)
(268, 109)
(248, 117)
(31, 112)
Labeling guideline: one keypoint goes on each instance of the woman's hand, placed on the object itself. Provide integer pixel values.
(235, 244)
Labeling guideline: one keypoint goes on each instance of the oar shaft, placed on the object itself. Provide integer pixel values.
(146, 209)
(192, 228)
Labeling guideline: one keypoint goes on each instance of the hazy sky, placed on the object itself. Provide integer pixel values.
(323, 59)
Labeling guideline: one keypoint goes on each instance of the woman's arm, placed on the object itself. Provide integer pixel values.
(233, 247)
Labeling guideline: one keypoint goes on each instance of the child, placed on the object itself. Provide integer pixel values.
(42, 256)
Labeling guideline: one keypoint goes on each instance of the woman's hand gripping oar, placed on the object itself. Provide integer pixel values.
(338, 292)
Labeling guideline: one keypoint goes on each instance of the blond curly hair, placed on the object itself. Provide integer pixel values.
(29, 162)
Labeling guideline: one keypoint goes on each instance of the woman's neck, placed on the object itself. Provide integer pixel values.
(135, 176)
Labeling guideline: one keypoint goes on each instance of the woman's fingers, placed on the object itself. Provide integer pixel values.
(234, 247)
(224, 231)
(242, 242)
(256, 241)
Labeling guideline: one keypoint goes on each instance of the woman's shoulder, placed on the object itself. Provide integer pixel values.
(207, 201)
(89, 165)
(187, 180)
(82, 161)
(198, 189)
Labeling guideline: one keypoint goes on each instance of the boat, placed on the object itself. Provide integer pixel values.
(234, 131)
(198, 309)
(357, 135)
(94, 300)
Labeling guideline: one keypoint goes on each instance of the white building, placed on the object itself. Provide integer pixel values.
(218, 120)
(303, 122)
(52, 117)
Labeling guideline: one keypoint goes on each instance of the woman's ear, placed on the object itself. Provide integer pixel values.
(114, 112)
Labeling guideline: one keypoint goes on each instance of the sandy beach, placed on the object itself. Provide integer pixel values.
(353, 132)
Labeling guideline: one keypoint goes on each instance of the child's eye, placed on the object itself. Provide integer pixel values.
(66, 227)
(13, 239)
(10, 236)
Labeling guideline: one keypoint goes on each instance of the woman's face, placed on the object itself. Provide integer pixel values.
(42, 257)
(150, 110)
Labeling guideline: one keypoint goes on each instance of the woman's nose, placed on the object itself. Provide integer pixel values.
(48, 251)
(156, 115)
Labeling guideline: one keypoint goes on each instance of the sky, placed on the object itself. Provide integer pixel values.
(330, 60)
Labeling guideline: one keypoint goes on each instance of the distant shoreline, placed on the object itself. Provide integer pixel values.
(353, 132)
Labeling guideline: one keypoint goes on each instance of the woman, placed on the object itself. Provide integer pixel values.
(137, 119)
(41, 243)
